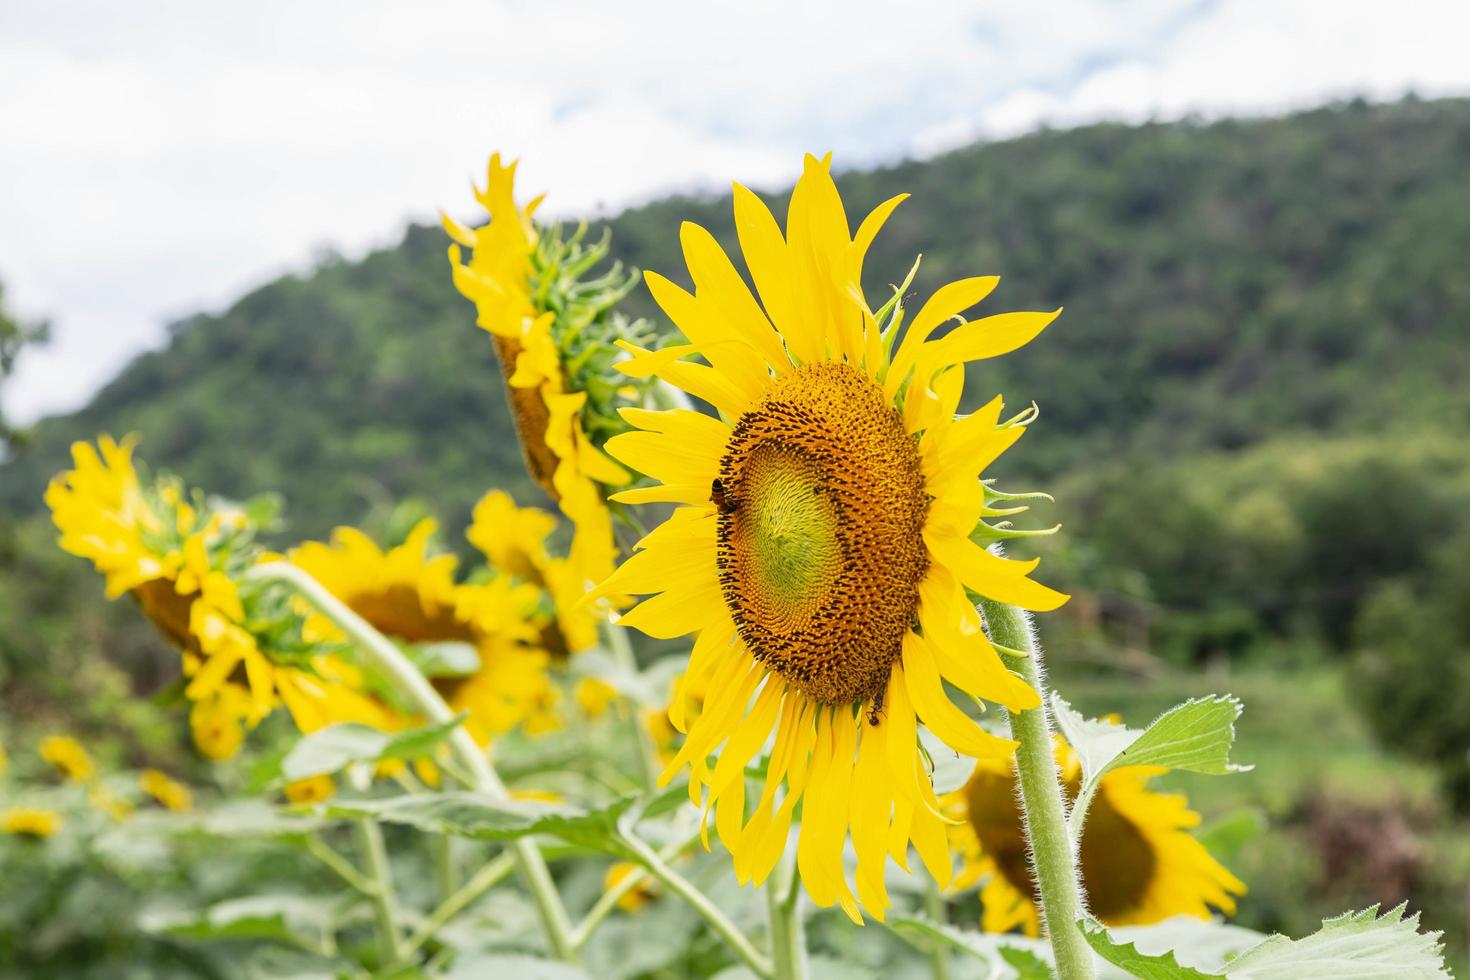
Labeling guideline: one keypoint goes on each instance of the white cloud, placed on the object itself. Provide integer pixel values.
(160, 157)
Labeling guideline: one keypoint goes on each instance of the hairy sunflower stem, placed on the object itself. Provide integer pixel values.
(676, 883)
(408, 679)
(385, 902)
(622, 651)
(788, 933)
(1042, 802)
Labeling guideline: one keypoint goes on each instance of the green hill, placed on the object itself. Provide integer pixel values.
(1225, 284)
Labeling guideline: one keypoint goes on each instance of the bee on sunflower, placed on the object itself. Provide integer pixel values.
(821, 550)
(412, 595)
(182, 559)
(1138, 861)
(554, 334)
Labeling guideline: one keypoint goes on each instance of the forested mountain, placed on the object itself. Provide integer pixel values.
(1225, 284)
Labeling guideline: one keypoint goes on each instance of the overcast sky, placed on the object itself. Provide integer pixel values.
(157, 158)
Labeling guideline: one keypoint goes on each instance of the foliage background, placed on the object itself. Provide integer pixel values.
(1254, 421)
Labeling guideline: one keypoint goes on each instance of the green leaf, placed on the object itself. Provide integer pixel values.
(1127, 956)
(254, 818)
(336, 747)
(287, 919)
(475, 815)
(1195, 736)
(518, 967)
(1028, 965)
(1352, 946)
(922, 934)
(447, 659)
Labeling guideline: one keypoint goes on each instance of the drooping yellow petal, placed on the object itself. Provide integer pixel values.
(939, 714)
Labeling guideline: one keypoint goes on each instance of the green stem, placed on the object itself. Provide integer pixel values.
(788, 934)
(622, 651)
(492, 874)
(342, 867)
(759, 964)
(939, 954)
(1042, 801)
(446, 872)
(609, 900)
(385, 905)
(407, 678)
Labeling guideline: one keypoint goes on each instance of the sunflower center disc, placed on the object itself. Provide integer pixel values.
(822, 507)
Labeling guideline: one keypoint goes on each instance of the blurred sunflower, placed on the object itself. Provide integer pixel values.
(29, 821)
(410, 595)
(639, 896)
(513, 541)
(67, 754)
(822, 547)
(312, 789)
(1139, 864)
(172, 794)
(553, 336)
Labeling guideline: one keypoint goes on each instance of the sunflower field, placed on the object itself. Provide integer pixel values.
(763, 692)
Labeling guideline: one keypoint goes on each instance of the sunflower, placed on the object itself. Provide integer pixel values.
(513, 541)
(67, 754)
(821, 549)
(1139, 864)
(637, 898)
(312, 789)
(29, 821)
(543, 321)
(154, 544)
(406, 593)
(172, 794)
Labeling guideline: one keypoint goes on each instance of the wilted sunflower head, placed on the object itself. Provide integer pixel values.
(1138, 861)
(821, 547)
(477, 642)
(182, 558)
(554, 326)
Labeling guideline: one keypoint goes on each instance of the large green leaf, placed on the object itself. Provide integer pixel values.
(1127, 956)
(1352, 946)
(336, 747)
(1195, 736)
(294, 920)
(482, 817)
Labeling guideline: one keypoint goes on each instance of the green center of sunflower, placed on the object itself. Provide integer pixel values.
(821, 510)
